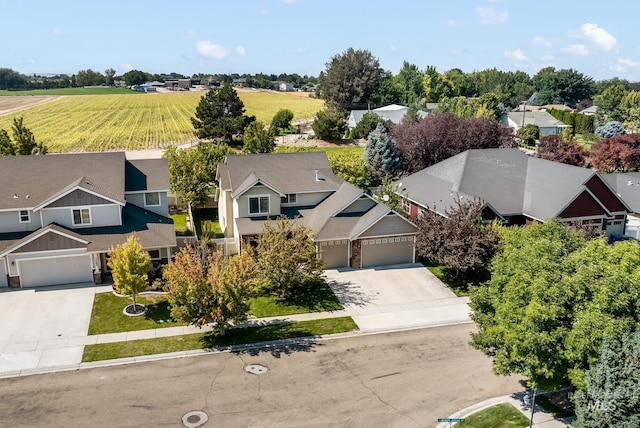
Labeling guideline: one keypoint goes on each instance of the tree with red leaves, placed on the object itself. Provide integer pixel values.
(619, 153)
(555, 148)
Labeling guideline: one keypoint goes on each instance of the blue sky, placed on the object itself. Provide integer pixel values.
(599, 39)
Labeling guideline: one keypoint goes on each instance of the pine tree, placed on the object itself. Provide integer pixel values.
(381, 155)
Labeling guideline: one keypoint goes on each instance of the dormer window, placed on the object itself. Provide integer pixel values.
(258, 205)
(152, 199)
(25, 217)
(290, 198)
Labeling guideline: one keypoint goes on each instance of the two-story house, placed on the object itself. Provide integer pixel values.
(352, 229)
(61, 214)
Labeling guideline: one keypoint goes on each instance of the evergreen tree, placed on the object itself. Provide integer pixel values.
(24, 141)
(220, 115)
(329, 124)
(381, 155)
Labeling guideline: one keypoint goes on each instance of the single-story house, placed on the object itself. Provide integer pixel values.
(352, 229)
(61, 214)
(548, 124)
(392, 113)
(516, 189)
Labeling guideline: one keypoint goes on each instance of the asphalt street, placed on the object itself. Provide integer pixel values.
(402, 379)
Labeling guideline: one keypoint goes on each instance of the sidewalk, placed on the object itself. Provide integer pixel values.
(541, 418)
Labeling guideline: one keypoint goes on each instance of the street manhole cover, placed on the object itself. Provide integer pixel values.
(256, 369)
(194, 419)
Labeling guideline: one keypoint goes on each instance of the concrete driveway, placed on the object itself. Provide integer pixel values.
(396, 297)
(40, 326)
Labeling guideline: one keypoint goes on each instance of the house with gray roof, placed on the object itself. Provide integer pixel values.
(627, 187)
(352, 229)
(61, 214)
(548, 124)
(516, 189)
(393, 113)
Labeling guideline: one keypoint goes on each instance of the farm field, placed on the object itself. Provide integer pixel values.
(135, 120)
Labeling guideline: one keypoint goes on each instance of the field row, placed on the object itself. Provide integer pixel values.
(136, 121)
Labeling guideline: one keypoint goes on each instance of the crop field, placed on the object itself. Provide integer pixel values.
(136, 121)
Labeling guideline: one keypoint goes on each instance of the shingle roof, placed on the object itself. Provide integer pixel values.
(43, 177)
(627, 186)
(285, 172)
(146, 174)
(509, 180)
(540, 118)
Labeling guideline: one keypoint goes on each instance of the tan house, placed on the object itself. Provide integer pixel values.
(61, 214)
(353, 229)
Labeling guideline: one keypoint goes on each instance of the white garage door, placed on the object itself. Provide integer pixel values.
(387, 251)
(61, 270)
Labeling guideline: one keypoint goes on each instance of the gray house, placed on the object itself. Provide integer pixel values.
(392, 113)
(548, 124)
(60, 215)
(353, 229)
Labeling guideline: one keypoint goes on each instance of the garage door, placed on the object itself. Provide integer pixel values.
(60, 270)
(387, 251)
(3, 274)
(335, 254)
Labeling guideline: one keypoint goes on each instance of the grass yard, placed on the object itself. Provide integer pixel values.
(180, 222)
(107, 351)
(206, 220)
(499, 416)
(136, 120)
(347, 149)
(316, 298)
(459, 286)
(107, 316)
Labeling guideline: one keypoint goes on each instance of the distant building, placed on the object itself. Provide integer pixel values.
(548, 124)
(393, 113)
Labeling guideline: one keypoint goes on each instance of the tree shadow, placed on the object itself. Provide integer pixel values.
(348, 293)
(160, 312)
(314, 295)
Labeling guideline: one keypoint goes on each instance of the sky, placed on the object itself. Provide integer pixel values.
(598, 39)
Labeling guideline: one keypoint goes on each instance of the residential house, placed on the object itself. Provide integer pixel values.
(61, 214)
(353, 229)
(590, 111)
(627, 187)
(548, 124)
(392, 113)
(283, 86)
(516, 189)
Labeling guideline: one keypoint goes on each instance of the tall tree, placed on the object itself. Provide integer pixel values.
(389, 90)
(281, 120)
(381, 155)
(204, 286)
(329, 124)
(350, 168)
(135, 77)
(109, 74)
(6, 146)
(130, 265)
(608, 103)
(258, 138)
(23, 139)
(220, 115)
(410, 80)
(437, 86)
(286, 256)
(630, 107)
(612, 398)
(350, 80)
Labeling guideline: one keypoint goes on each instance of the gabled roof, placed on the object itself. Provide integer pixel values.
(146, 175)
(393, 113)
(540, 118)
(285, 172)
(11, 246)
(30, 181)
(511, 182)
(627, 186)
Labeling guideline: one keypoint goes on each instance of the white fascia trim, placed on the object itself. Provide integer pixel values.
(62, 195)
(38, 235)
(134, 192)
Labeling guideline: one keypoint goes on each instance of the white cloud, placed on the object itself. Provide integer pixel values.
(210, 50)
(541, 41)
(624, 65)
(57, 31)
(126, 67)
(489, 16)
(595, 36)
(516, 54)
(393, 48)
(547, 58)
(576, 50)
(240, 50)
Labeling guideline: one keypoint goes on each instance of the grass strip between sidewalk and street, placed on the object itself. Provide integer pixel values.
(234, 336)
(498, 416)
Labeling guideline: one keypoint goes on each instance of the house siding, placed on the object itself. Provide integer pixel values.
(101, 215)
(243, 201)
(389, 225)
(605, 195)
(10, 222)
(49, 242)
(583, 206)
(78, 198)
(137, 199)
(310, 199)
(359, 206)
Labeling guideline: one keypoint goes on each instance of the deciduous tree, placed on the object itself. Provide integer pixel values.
(529, 133)
(281, 120)
(350, 80)
(381, 155)
(130, 265)
(220, 115)
(554, 148)
(350, 168)
(329, 124)
(286, 256)
(258, 138)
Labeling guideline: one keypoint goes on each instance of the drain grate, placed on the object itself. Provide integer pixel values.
(256, 369)
(194, 419)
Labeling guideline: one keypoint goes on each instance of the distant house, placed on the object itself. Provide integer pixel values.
(548, 124)
(178, 84)
(393, 113)
(283, 86)
(352, 229)
(241, 82)
(590, 111)
(517, 189)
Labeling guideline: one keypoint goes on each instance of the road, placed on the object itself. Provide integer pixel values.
(405, 379)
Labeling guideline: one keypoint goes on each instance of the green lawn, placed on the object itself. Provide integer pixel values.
(348, 149)
(180, 222)
(206, 220)
(459, 286)
(107, 351)
(316, 297)
(499, 416)
(107, 316)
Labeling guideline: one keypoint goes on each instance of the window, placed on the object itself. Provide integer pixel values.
(259, 205)
(81, 216)
(291, 198)
(154, 254)
(25, 217)
(152, 199)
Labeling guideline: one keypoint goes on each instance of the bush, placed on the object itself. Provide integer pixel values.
(329, 124)
(609, 130)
